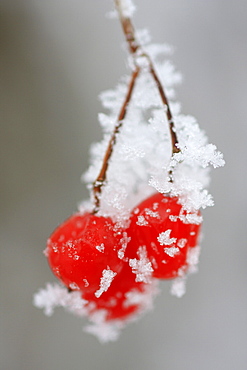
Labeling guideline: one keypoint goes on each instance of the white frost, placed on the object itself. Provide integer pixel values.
(141, 221)
(105, 281)
(192, 258)
(142, 267)
(100, 247)
(165, 239)
(172, 251)
(105, 331)
(124, 242)
(127, 7)
(55, 295)
(178, 287)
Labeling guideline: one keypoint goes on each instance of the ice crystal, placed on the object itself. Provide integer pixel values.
(124, 242)
(193, 259)
(144, 299)
(172, 251)
(142, 267)
(105, 331)
(105, 281)
(164, 238)
(128, 9)
(143, 37)
(58, 296)
(178, 287)
(151, 213)
(100, 247)
(141, 221)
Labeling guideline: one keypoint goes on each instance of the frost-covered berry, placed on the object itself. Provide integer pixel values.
(166, 231)
(83, 252)
(125, 299)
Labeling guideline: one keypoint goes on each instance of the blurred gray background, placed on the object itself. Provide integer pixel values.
(56, 57)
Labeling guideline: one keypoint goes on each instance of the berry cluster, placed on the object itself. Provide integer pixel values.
(108, 264)
(143, 221)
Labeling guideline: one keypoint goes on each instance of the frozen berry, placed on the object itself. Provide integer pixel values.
(83, 252)
(166, 231)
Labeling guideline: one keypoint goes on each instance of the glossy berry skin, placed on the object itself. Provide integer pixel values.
(115, 301)
(81, 248)
(155, 224)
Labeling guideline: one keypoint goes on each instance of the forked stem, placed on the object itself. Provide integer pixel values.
(135, 50)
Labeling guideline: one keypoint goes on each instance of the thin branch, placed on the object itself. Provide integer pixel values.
(136, 50)
(100, 181)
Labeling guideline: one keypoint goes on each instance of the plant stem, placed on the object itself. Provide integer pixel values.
(100, 181)
(136, 50)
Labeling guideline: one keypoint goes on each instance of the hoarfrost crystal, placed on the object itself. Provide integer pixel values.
(164, 238)
(142, 267)
(105, 281)
(172, 251)
(58, 296)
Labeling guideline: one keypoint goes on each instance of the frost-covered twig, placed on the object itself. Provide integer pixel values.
(137, 52)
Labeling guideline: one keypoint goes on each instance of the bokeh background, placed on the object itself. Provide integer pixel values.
(56, 56)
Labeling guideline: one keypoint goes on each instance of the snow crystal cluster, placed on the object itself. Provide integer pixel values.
(142, 159)
(55, 295)
(138, 167)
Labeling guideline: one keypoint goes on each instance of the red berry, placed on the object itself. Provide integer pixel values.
(117, 301)
(83, 252)
(160, 225)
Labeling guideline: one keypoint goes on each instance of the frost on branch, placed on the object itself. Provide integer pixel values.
(141, 158)
(128, 9)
